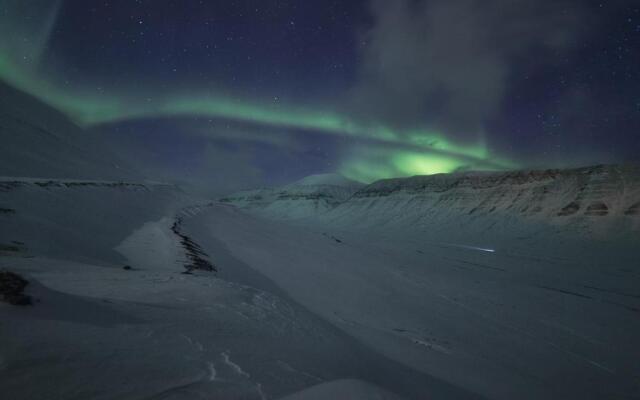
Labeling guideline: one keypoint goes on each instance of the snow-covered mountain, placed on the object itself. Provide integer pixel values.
(313, 195)
(586, 200)
(335, 180)
(79, 219)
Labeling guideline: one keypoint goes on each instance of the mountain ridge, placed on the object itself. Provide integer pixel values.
(587, 197)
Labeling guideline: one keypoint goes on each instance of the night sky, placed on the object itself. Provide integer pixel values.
(263, 92)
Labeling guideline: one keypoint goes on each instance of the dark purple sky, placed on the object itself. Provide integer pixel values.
(538, 83)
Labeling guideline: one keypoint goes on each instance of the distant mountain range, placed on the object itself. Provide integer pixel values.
(597, 197)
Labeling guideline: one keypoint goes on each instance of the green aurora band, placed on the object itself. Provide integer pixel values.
(397, 153)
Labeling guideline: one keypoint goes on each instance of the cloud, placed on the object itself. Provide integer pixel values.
(448, 64)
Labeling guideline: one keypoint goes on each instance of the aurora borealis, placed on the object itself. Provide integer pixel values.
(381, 91)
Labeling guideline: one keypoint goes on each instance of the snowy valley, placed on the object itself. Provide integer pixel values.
(476, 285)
(471, 286)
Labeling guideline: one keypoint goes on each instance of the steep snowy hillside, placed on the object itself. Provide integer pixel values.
(313, 195)
(36, 140)
(79, 219)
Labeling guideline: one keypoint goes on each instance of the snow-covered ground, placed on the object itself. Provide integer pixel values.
(100, 331)
(554, 321)
(394, 290)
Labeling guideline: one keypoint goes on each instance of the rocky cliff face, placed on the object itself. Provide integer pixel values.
(592, 199)
(597, 191)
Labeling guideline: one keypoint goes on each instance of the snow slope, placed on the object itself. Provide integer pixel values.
(343, 389)
(313, 195)
(512, 285)
(528, 320)
(100, 331)
(80, 219)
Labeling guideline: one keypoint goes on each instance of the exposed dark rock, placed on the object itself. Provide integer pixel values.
(634, 209)
(597, 209)
(12, 287)
(10, 248)
(127, 268)
(196, 256)
(332, 238)
(7, 210)
(9, 186)
(569, 209)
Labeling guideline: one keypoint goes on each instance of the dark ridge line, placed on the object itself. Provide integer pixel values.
(12, 287)
(11, 184)
(56, 183)
(332, 237)
(195, 254)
